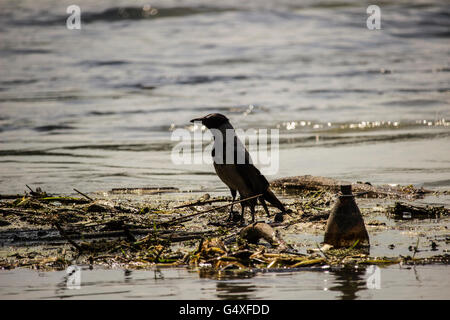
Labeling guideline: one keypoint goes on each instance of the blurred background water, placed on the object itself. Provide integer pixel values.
(94, 108)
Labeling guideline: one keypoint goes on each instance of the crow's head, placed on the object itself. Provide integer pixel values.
(212, 121)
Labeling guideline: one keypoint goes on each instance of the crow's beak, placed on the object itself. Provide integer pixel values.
(197, 119)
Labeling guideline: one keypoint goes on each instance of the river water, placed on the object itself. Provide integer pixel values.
(179, 284)
(94, 109)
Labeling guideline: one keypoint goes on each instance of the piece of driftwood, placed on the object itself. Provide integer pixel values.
(312, 183)
(10, 196)
(149, 190)
(408, 211)
(173, 235)
(63, 233)
(18, 212)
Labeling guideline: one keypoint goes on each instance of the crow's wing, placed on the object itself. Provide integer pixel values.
(250, 174)
(253, 178)
(240, 175)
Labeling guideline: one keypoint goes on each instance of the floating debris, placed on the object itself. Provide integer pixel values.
(51, 232)
(407, 211)
(367, 190)
(153, 190)
(345, 226)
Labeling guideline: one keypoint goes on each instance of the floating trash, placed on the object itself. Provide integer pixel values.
(345, 225)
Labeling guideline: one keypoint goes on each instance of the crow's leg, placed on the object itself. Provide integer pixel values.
(263, 203)
(252, 210)
(233, 194)
(242, 213)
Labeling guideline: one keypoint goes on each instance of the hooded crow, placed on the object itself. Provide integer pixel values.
(234, 166)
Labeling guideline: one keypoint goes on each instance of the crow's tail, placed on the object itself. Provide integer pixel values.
(273, 200)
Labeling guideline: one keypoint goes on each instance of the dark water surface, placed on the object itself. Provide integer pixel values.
(94, 108)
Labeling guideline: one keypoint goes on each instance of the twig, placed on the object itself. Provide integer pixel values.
(10, 196)
(416, 248)
(198, 203)
(202, 212)
(38, 193)
(87, 197)
(63, 233)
